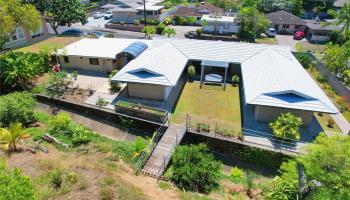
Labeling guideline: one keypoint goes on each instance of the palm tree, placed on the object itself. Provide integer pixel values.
(9, 137)
(169, 32)
(149, 31)
(343, 18)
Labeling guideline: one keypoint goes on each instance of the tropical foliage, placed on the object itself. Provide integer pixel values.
(343, 18)
(61, 13)
(195, 169)
(56, 85)
(11, 136)
(19, 69)
(14, 185)
(17, 107)
(253, 23)
(169, 32)
(286, 126)
(13, 14)
(149, 31)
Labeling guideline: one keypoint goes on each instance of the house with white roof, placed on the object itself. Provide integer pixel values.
(273, 81)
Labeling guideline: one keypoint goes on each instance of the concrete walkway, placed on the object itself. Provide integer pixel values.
(342, 123)
(287, 40)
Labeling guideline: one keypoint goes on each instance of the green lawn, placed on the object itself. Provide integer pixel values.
(209, 105)
(266, 40)
(307, 46)
(57, 41)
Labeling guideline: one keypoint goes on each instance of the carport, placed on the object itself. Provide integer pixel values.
(213, 78)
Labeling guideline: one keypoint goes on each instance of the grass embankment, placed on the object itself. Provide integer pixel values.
(59, 42)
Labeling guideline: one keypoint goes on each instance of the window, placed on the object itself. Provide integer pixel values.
(66, 59)
(93, 61)
(14, 37)
(298, 27)
(37, 33)
(285, 26)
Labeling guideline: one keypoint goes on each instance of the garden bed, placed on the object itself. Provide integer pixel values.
(138, 110)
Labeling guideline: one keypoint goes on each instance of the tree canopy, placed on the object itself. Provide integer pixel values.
(195, 169)
(343, 18)
(13, 14)
(61, 13)
(253, 23)
(286, 126)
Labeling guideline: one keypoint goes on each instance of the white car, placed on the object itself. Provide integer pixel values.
(271, 32)
(98, 15)
(108, 15)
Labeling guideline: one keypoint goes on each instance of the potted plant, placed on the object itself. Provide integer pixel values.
(191, 71)
(235, 80)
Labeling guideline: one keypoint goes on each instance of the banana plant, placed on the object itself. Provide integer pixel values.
(9, 137)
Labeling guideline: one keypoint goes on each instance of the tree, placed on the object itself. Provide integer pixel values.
(19, 69)
(336, 58)
(10, 137)
(14, 13)
(343, 18)
(292, 6)
(17, 107)
(191, 20)
(286, 126)
(253, 23)
(61, 13)
(149, 31)
(56, 85)
(328, 161)
(195, 169)
(13, 185)
(169, 32)
(285, 186)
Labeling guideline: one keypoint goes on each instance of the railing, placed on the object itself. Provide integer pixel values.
(152, 144)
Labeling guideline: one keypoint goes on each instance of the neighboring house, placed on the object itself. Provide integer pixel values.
(285, 22)
(197, 12)
(340, 3)
(319, 32)
(273, 81)
(130, 14)
(22, 37)
(219, 24)
(84, 1)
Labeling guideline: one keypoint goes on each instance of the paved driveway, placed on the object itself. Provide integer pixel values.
(288, 40)
(181, 30)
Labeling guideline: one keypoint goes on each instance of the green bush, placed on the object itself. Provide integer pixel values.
(13, 185)
(81, 135)
(160, 28)
(202, 127)
(72, 177)
(115, 86)
(235, 79)
(60, 124)
(236, 174)
(199, 31)
(56, 178)
(195, 169)
(17, 107)
(179, 20)
(286, 126)
(38, 89)
(56, 85)
(167, 20)
(304, 60)
(321, 79)
(101, 102)
(136, 22)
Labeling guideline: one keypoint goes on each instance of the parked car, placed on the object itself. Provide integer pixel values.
(98, 15)
(97, 34)
(108, 15)
(271, 32)
(299, 35)
(74, 32)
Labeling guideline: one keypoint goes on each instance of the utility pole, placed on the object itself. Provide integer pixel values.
(144, 12)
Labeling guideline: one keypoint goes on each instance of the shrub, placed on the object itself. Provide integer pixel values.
(13, 185)
(38, 89)
(321, 79)
(101, 102)
(140, 144)
(60, 124)
(81, 135)
(260, 156)
(72, 177)
(201, 127)
(17, 107)
(109, 35)
(235, 79)
(195, 169)
(167, 20)
(136, 22)
(236, 174)
(286, 126)
(191, 20)
(115, 86)
(180, 20)
(304, 60)
(56, 85)
(56, 178)
(191, 71)
(106, 193)
(75, 75)
(113, 73)
(160, 28)
(199, 31)
(330, 123)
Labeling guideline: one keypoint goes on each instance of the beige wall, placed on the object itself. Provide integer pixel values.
(146, 91)
(268, 114)
(77, 62)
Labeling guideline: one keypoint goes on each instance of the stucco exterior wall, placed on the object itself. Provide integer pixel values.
(83, 63)
(146, 91)
(291, 29)
(269, 114)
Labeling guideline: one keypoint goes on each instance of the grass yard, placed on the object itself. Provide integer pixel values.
(209, 105)
(307, 46)
(59, 41)
(266, 40)
(323, 120)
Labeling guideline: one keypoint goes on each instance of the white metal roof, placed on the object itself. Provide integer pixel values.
(150, 7)
(271, 79)
(162, 65)
(99, 48)
(219, 18)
